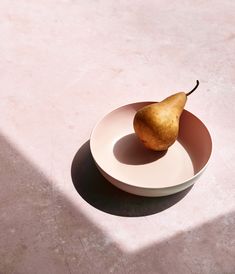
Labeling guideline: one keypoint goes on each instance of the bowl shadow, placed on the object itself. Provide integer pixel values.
(130, 151)
(101, 194)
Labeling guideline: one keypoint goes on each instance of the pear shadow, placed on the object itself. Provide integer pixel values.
(129, 150)
(101, 194)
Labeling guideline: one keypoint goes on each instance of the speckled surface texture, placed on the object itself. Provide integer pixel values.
(64, 64)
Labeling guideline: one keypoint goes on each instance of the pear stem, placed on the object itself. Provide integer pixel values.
(191, 91)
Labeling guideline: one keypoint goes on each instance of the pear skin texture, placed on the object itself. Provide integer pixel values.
(157, 124)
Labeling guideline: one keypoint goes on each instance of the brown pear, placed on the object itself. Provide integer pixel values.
(157, 124)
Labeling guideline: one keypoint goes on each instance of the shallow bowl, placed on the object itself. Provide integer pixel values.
(127, 164)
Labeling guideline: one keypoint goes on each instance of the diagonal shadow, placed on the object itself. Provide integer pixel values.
(98, 192)
(41, 231)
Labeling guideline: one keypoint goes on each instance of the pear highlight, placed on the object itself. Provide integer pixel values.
(157, 124)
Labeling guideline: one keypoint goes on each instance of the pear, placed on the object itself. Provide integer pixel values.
(157, 124)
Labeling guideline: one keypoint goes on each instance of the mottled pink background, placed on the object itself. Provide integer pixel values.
(66, 63)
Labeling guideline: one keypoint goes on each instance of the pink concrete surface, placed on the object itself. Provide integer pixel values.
(66, 63)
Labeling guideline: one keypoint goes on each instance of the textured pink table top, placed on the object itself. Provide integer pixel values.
(64, 64)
